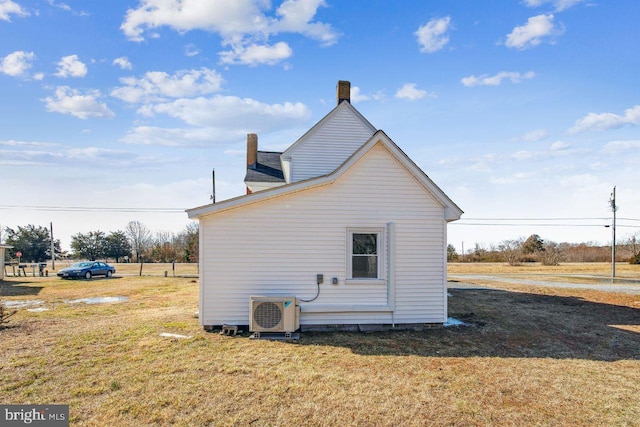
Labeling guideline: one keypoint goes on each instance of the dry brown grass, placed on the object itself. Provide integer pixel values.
(532, 357)
(602, 269)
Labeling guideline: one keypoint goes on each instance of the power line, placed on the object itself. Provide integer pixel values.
(528, 225)
(536, 219)
(92, 209)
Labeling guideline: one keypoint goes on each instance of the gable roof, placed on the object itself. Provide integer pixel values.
(267, 169)
(452, 211)
(341, 107)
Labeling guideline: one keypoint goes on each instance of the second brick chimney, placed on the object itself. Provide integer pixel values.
(252, 150)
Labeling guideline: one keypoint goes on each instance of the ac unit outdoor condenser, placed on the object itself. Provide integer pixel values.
(274, 314)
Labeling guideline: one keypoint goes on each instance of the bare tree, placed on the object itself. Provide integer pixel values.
(551, 255)
(511, 251)
(165, 247)
(634, 246)
(140, 237)
(191, 249)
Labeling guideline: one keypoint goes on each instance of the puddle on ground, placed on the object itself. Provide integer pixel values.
(453, 322)
(97, 300)
(22, 303)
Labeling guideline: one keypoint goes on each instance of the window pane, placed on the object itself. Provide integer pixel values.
(365, 244)
(364, 266)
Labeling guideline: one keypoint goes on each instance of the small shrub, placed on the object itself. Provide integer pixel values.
(551, 254)
(635, 259)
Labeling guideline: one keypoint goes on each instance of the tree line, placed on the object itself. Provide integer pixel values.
(135, 243)
(535, 249)
(138, 243)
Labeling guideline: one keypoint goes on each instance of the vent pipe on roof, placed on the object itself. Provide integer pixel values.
(252, 150)
(343, 91)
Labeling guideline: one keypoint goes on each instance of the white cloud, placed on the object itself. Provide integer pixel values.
(97, 153)
(533, 136)
(432, 35)
(532, 33)
(158, 85)
(517, 177)
(254, 54)
(191, 50)
(604, 121)
(579, 181)
(559, 5)
(496, 80)
(177, 137)
(523, 155)
(71, 66)
(411, 92)
(28, 157)
(14, 143)
(42, 153)
(72, 102)
(617, 147)
(243, 24)
(8, 7)
(559, 146)
(224, 17)
(233, 113)
(123, 62)
(296, 17)
(358, 96)
(17, 63)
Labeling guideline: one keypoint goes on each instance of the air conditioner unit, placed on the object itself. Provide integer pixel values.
(274, 314)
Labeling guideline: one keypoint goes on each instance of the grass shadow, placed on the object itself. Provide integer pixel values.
(18, 288)
(509, 324)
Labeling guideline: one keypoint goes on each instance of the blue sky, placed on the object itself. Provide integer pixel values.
(524, 112)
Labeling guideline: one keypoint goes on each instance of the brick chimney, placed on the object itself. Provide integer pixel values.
(252, 150)
(343, 91)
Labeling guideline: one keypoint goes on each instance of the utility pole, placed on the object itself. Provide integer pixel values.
(53, 250)
(614, 208)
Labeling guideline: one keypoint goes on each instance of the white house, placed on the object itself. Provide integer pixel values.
(342, 220)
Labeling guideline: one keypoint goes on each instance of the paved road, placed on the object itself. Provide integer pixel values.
(632, 288)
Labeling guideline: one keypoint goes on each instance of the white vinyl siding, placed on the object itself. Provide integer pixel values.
(328, 146)
(278, 246)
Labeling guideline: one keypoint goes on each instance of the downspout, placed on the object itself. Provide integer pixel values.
(391, 271)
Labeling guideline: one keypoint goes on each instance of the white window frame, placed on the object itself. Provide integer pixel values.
(380, 232)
